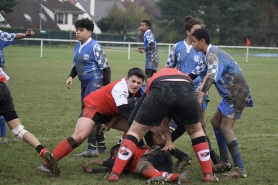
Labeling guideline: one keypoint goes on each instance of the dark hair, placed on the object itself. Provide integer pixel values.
(85, 23)
(115, 147)
(202, 33)
(148, 23)
(137, 72)
(189, 22)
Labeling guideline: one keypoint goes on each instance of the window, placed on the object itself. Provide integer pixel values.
(27, 16)
(60, 18)
(43, 17)
(74, 18)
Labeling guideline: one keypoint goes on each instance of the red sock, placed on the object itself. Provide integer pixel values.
(43, 151)
(172, 176)
(202, 152)
(150, 171)
(62, 149)
(126, 151)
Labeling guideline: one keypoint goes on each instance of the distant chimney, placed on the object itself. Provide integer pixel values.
(92, 7)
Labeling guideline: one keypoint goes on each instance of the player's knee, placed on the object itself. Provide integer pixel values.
(141, 165)
(19, 131)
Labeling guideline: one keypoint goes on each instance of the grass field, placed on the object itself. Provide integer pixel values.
(49, 110)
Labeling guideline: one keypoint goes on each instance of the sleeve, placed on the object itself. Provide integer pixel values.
(149, 37)
(200, 67)
(7, 38)
(213, 67)
(171, 61)
(100, 57)
(120, 94)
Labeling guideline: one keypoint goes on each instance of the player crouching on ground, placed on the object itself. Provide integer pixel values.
(107, 105)
(152, 163)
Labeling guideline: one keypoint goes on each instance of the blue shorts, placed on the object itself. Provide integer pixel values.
(205, 102)
(228, 110)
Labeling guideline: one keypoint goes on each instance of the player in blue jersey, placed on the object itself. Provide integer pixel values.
(150, 48)
(225, 74)
(185, 59)
(91, 65)
(7, 109)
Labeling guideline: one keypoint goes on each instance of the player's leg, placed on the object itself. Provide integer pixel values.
(227, 130)
(224, 164)
(101, 144)
(3, 134)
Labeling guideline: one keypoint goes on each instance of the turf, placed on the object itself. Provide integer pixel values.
(49, 110)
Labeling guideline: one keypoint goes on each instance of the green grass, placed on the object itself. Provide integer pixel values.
(49, 110)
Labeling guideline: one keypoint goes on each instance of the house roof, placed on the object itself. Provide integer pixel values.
(61, 6)
(16, 18)
(101, 7)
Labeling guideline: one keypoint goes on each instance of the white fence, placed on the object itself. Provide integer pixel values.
(169, 45)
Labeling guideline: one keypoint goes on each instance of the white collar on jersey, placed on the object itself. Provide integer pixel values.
(188, 47)
(84, 44)
(209, 46)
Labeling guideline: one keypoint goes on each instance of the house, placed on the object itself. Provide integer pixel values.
(43, 15)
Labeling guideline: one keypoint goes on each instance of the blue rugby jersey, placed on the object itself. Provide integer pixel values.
(185, 59)
(151, 55)
(89, 60)
(229, 79)
(6, 39)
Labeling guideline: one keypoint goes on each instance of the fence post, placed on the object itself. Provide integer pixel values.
(128, 57)
(41, 47)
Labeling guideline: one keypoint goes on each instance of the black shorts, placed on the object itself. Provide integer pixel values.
(160, 159)
(149, 73)
(6, 100)
(169, 98)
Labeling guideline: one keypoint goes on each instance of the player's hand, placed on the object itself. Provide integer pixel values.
(199, 89)
(86, 168)
(98, 162)
(169, 146)
(141, 50)
(103, 128)
(69, 82)
(29, 33)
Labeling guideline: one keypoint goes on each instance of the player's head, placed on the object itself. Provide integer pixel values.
(135, 78)
(191, 24)
(114, 151)
(84, 29)
(200, 39)
(145, 25)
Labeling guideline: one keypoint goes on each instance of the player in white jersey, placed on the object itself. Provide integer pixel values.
(185, 59)
(225, 74)
(150, 48)
(7, 109)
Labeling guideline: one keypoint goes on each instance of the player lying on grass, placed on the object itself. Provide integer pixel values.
(152, 163)
(109, 105)
(7, 109)
(169, 93)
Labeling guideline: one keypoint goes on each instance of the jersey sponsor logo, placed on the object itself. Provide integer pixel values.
(124, 153)
(196, 58)
(86, 57)
(203, 155)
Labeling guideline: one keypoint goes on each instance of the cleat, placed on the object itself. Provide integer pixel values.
(43, 168)
(184, 177)
(53, 164)
(112, 177)
(87, 153)
(222, 166)
(210, 178)
(4, 140)
(236, 173)
(185, 161)
(158, 180)
(102, 151)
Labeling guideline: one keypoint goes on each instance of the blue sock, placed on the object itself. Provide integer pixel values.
(234, 150)
(92, 145)
(3, 126)
(222, 145)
